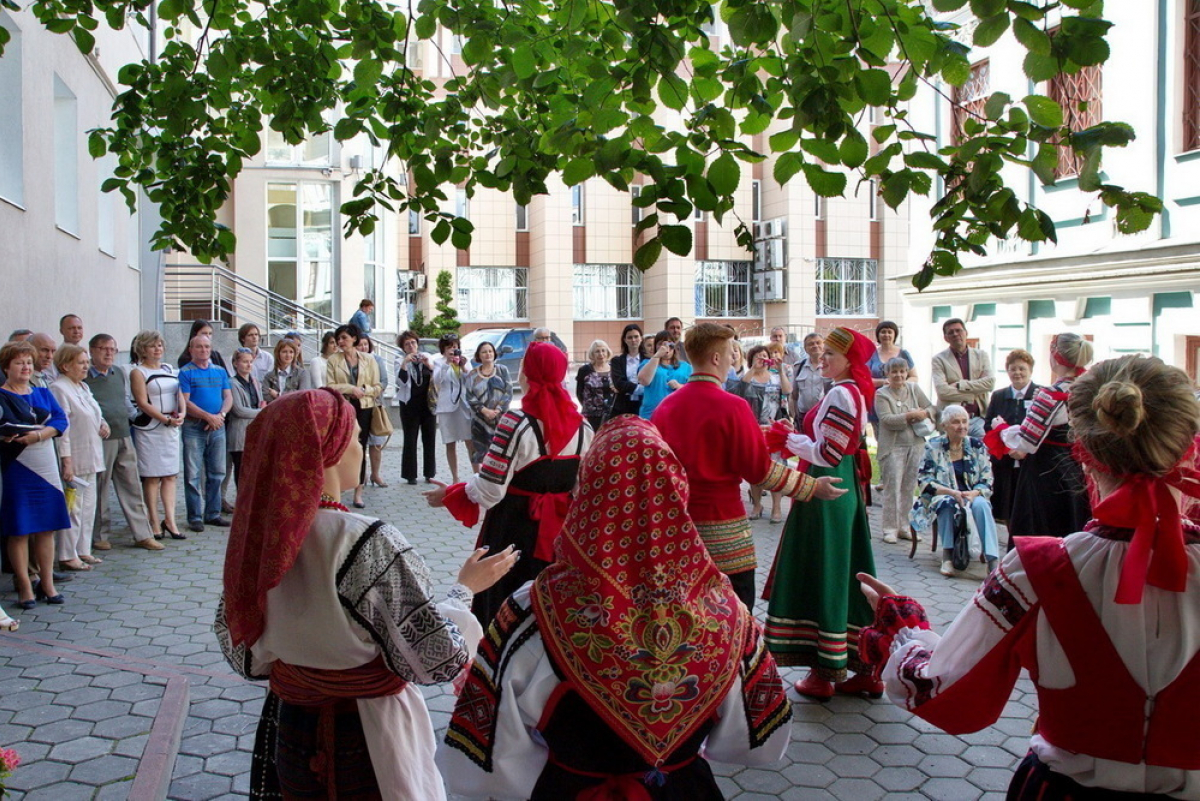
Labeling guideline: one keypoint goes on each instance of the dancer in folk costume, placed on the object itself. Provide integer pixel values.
(717, 438)
(524, 484)
(335, 610)
(626, 664)
(815, 609)
(1050, 498)
(1106, 620)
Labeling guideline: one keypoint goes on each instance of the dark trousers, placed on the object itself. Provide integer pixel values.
(743, 587)
(416, 421)
(364, 431)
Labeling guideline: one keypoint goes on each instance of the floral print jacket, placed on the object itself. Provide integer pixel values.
(936, 468)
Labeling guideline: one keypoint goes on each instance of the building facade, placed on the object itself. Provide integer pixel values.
(1127, 293)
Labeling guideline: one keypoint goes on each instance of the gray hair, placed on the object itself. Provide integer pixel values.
(952, 411)
(895, 364)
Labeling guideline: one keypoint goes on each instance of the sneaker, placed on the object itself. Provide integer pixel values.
(219, 522)
(889, 538)
(101, 545)
(150, 544)
(947, 568)
(196, 525)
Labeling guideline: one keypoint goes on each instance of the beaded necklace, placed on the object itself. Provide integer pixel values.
(329, 502)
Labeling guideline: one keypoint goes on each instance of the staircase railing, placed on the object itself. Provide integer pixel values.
(215, 293)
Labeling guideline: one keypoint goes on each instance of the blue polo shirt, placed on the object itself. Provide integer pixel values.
(205, 386)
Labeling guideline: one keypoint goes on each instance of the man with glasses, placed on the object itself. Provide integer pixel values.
(110, 386)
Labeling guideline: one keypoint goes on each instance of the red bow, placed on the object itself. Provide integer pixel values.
(617, 788)
(1156, 553)
(549, 509)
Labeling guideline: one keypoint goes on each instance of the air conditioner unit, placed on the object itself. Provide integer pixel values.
(771, 286)
(416, 281)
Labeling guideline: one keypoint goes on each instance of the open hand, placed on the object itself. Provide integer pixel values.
(480, 571)
(436, 497)
(827, 488)
(873, 589)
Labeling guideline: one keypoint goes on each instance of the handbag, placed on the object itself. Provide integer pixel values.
(924, 428)
(381, 423)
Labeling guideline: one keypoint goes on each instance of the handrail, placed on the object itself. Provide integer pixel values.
(223, 295)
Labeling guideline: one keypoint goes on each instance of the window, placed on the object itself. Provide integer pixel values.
(1191, 70)
(66, 158)
(756, 201)
(373, 261)
(698, 214)
(1079, 97)
(12, 152)
(723, 289)
(607, 292)
(300, 241)
(969, 99)
(522, 217)
(312, 152)
(636, 216)
(846, 287)
(577, 204)
(133, 235)
(414, 222)
(106, 207)
(873, 200)
(493, 294)
(456, 44)
(818, 206)
(462, 204)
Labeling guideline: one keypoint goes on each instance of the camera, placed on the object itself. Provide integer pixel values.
(456, 352)
(671, 345)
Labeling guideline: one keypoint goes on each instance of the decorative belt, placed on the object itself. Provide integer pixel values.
(549, 509)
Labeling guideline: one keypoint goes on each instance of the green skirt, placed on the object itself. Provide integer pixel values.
(816, 608)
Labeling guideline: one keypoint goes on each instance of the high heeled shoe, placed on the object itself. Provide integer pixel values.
(378, 482)
(40, 594)
(175, 535)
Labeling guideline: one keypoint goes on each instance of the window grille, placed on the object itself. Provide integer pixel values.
(1079, 95)
(607, 292)
(847, 287)
(493, 294)
(723, 289)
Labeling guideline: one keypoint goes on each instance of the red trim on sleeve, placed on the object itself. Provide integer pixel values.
(460, 506)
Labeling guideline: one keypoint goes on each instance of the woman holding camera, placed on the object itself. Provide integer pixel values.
(453, 414)
(414, 375)
(661, 374)
(767, 383)
(356, 376)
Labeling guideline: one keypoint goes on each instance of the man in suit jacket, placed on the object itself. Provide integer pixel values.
(963, 375)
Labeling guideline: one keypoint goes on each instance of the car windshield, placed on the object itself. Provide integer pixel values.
(474, 339)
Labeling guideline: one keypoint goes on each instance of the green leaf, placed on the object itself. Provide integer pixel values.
(784, 140)
(882, 133)
(1045, 163)
(895, 188)
(853, 150)
(987, 8)
(724, 174)
(1029, 226)
(368, 71)
(949, 5)
(84, 40)
(824, 182)
(787, 166)
(1089, 173)
(677, 239)
(475, 51)
(1039, 68)
(874, 86)
(994, 108)
(96, 145)
(440, 232)
(753, 24)
(1044, 111)
(673, 91)
(523, 62)
(461, 240)
(991, 29)
(426, 27)
(578, 171)
(647, 255)
(921, 160)
(823, 149)
(1032, 37)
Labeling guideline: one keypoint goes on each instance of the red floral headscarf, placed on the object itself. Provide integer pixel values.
(288, 447)
(545, 399)
(634, 611)
(858, 350)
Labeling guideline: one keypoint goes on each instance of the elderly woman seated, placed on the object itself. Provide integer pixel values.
(956, 471)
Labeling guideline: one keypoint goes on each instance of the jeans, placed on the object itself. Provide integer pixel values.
(203, 462)
(981, 508)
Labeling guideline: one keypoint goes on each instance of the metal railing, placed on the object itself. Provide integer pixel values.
(212, 292)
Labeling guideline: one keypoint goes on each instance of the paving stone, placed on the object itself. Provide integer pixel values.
(123, 726)
(863, 789)
(853, 767)
(230, 763)
(767, 782)
(215, 710)
(81, 749)
(950, 790)
(102, 710)
(61, 731)
(116, 791)
(205, 745)
(63, 791)
(200, 787)
(899, 779)
(806, 775)
(30, 776)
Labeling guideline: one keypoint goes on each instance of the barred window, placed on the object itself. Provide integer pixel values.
(1191, 87)
(847, 287)
(608, 292)
(1079, 96)
(493, 294)
(723, 289)
(969, 100)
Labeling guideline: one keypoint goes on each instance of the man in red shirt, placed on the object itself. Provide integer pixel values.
(719, 442)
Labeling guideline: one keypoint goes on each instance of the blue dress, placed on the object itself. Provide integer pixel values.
(33, 499)
(658, 389)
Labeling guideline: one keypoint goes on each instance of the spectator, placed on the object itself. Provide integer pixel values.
(963, 375)
(110, 387)
(542, 335)
(594, 385)
(1010, 405)
(887, 335)
(33, 505)
(361, 319)
(488, 390)
(44, 372)
(956, 472)
(646, 349)
(624, 372)
(207, 396)
(71, 328)
(661, 374)
(453, 414)
(20, 335)
(155, 386)
(737, 367)
(288, 374)
(900, 404)
(201, 327)
(414, 376)
(375, 442)
(765, 385)
(81, 453)
(809, 386)
(248, 401)
(674, 327)
(249, 337)
(356, 378)
(316, 368)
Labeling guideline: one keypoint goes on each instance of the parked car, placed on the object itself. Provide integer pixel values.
(510, 345)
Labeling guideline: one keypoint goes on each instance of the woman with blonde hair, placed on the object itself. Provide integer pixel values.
(594, 387)
(1050, 498)
(288, 374)
(1106, 620)
(155, 387)
(81, 452)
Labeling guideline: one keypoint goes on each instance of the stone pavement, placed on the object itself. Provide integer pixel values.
(83, 685)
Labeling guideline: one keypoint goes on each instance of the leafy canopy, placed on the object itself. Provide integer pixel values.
(585, 89)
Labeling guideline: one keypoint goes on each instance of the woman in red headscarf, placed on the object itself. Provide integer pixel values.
(815, 609)
(1105, 620)
(526, 478)
(604, 677)
(334, 609)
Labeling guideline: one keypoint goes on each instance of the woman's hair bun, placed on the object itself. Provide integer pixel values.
(1118, 406)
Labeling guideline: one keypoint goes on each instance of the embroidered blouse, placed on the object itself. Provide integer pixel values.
(839, 417)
